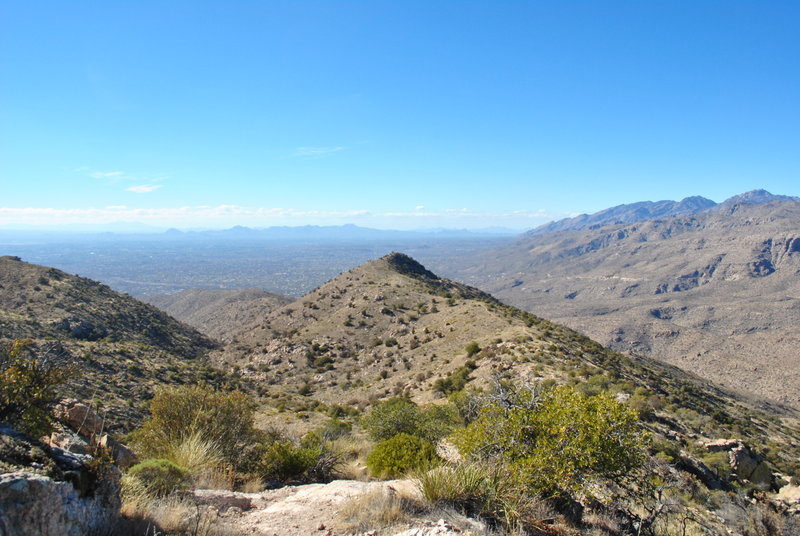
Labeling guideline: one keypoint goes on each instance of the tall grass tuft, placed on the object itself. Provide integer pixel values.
(481, 489)
(195, 453)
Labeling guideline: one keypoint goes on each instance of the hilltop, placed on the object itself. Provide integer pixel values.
(391, 327)
(715, 293)
(123, 348)
(217, 312)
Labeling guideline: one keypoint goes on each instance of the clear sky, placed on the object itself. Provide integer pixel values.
(393, 114)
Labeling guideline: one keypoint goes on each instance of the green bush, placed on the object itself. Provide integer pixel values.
(29, 376)
(472, 349)
(400, 415)
(309, 461)
(224, 419)
(159, 477)
(556, 441)
(456, 380)
(400, 454)
(394, 416)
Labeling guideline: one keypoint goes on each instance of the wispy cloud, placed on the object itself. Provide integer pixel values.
(105, 174)
(315, 152)
(144, 188)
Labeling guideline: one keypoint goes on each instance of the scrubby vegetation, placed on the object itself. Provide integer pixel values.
(400, 454)
(555, 441)
(29, 376)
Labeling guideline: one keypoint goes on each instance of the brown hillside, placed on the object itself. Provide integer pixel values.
(217, 312)
(124, 348)
(717, 293)
(391, 327)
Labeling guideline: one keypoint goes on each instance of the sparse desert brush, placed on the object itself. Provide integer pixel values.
(173, 516)
(483, 489)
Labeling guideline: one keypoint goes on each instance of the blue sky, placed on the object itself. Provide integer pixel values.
(394, 114)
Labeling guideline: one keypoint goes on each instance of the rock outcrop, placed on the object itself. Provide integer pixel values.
(49, 491)
(747, 465)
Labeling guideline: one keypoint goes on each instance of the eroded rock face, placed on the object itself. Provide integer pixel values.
(48, 491)
(35, 505)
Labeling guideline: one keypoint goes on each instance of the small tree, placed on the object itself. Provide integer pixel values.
(29, 377)
(401, 415)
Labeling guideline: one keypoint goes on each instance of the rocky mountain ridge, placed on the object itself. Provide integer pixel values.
(716, 293)
(651, 210)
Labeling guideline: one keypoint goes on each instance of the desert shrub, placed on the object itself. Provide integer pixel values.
(335, 429)
(158, 477)
(554, 441)
(401, 415)
(311, 460)
(400, 454)
(472, 349)
(456, 380)
(29, 376)
(394, 416)
(195, 453)
(223, 419)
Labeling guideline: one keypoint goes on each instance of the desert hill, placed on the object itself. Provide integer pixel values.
(391, 327)
(217, 312)
(123, 348)
(716, 293)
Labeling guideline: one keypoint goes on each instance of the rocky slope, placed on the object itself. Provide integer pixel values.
(717, 293)
(122, 348)
(217, 312)
(391, 327)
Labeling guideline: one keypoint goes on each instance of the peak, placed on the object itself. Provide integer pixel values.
(403, 264)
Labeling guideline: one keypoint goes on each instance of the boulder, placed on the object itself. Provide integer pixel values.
(748, 466)
(80, 418)
(722, 445)
(745, 464)
(123, 456)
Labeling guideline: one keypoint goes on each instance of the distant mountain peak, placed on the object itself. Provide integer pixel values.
(757, 197)
(653, 210)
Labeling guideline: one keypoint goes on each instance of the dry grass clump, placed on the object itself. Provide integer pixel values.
(481, 489)
(376, 510)
(353, 452)
(195, 453)
(143, 515)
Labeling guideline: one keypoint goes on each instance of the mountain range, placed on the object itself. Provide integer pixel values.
(716, 292)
